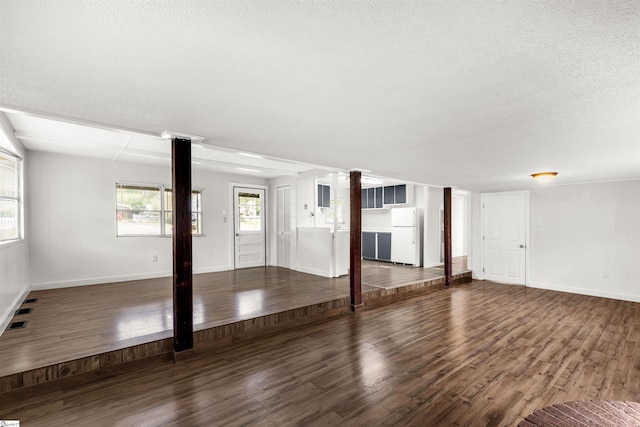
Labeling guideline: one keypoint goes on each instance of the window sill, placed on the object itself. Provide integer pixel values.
(10, 243)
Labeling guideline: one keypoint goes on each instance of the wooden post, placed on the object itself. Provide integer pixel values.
(447, 237)
(355, 254)
(182, 254)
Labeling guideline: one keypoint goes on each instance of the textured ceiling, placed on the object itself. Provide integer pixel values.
(476, 95)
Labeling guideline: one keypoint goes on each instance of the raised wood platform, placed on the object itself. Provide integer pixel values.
(95, 331)
(483, 354)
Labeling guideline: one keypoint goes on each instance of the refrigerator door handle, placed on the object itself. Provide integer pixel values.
(414, 236)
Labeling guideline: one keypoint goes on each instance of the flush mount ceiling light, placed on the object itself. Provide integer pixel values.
(544, 176)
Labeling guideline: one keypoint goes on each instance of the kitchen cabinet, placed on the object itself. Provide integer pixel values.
(395, 194)
(369, 245)
(372, 198)
(376, 246)
(324, 196)
(384, 246)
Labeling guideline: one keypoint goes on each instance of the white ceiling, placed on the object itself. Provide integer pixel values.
(475, 95)
(56, 136)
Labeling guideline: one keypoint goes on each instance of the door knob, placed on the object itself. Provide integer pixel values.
(522, 246)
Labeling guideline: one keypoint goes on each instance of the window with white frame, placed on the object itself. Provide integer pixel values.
(146, 210)
(10, 198)
(196, 212)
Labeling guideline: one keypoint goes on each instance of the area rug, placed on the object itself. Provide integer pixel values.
(592, 413)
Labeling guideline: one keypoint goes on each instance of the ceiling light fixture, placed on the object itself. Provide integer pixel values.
(248, 170)
(255, 156)
(544, 176)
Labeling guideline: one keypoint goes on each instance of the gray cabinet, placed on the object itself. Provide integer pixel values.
(376, 246)
(369, 245)
(395, 194)
(384, 246)
(324, 196)
(372, 198)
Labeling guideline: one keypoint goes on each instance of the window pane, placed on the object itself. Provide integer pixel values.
(168, 200)
(8, 177)
(168, 223)
(195, 202)
(249, 212)
(138, 210)
(9, 226)
(196, 222)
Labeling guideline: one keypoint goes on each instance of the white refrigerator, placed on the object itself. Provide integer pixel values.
(405, 236)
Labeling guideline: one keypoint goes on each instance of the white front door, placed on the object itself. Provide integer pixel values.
(504, 220)
(283, 226)
(249, 227)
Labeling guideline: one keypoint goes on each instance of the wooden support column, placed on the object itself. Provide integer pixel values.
(447, 237)
(355, 253)
(182, 254)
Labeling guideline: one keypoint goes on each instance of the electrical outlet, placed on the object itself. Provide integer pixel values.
(154, 258)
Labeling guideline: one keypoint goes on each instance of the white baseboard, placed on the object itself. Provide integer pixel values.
(583, 291)
(432, 265)
(114, 279)
(213, 269)
(314, 271)
(6, 317)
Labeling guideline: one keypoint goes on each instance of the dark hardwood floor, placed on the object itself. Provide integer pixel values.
(477, 354)
(71, 323)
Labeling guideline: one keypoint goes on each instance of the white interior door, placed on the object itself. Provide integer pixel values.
(504, 237)
(283, 226)
(249, 226)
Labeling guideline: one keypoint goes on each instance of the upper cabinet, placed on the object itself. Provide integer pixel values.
(324, 196)
(395, 194)
(372, 198)
(377, 197)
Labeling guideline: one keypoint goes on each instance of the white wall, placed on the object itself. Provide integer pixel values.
(72, 215)
(432, 226)
(586, 239)
(14, 256)
(474, 260)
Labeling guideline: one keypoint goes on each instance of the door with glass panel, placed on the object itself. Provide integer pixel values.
(249, 227)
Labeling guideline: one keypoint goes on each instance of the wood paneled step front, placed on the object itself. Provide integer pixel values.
(91, 332)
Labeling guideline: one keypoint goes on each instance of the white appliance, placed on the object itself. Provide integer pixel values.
(405, 236)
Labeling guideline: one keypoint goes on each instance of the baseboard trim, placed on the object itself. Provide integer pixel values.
(313, 271)
(115, 279)
(15, 304)
(584, 291)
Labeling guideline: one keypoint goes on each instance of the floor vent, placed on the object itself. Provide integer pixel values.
(23, 311)
(17, 325)
(31, 300)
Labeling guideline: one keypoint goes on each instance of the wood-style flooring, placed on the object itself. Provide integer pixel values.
(481, 354)
(71, 323)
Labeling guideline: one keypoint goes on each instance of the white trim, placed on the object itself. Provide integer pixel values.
(15, 305)
(115, 279)
(314, 271)
(584, 291)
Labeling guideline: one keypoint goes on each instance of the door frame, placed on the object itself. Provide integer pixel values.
(232, 218)
(527, 253)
